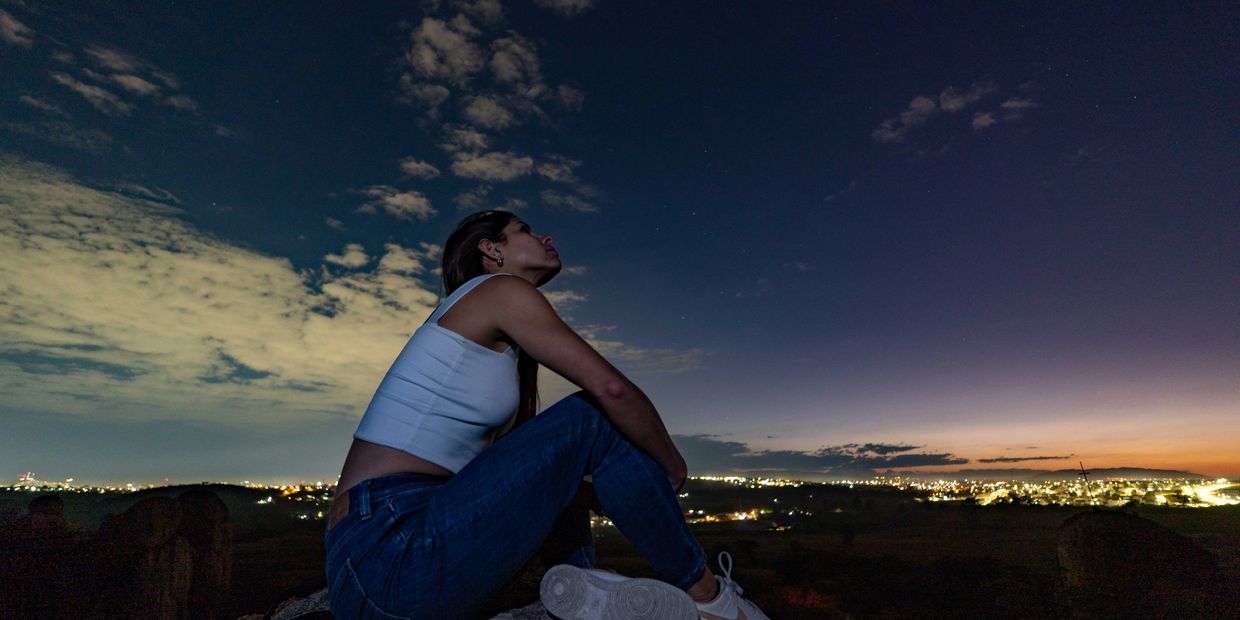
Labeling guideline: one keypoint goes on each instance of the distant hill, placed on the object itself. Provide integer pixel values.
(1134, 473)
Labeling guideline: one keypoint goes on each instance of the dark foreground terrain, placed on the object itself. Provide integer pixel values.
(841, 553)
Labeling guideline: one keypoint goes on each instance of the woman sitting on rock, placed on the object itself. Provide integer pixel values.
(432, 515)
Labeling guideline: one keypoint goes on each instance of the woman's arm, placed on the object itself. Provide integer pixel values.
(524, 316)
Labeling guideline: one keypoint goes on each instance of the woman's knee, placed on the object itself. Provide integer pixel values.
(581, 408)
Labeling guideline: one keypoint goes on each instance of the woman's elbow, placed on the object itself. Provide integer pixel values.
(616, 389)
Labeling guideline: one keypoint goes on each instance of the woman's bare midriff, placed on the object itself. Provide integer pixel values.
(369, 460)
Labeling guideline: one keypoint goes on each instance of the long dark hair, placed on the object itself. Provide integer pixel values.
(462, 261)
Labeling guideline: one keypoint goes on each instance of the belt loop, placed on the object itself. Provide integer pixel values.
(364, 498)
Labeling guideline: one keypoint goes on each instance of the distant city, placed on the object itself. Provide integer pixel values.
(766, 509)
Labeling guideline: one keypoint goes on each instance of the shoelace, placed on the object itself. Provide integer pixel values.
(727, 573)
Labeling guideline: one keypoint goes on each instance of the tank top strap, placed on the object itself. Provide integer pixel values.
(460, 292)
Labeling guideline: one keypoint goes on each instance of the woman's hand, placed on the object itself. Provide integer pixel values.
(678, 481)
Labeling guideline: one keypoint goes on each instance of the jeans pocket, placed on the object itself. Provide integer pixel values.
(348, 600)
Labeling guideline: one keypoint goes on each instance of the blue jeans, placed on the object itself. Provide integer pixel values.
(419, 546)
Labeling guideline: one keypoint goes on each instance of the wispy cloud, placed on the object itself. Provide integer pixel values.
(559, 169)
(1010, 110)
(493, 166)
(925, 107)
(14, 32)
(488, 82)
(473, 199)
(919, 110)
(1018, 459)
(952, 100)
(135, 84)
(442, 49)
(488, 113)
(114, 304)
(66, 134)
(104, 100)
(353, 257)
(40, 104)
(404, 205)
(567, 8)
(709, 454)
(633, 358)
(415, 167)
(553, 198)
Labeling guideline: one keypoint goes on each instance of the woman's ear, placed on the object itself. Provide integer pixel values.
(486, 246)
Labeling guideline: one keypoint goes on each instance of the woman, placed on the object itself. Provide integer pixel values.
(432, 514)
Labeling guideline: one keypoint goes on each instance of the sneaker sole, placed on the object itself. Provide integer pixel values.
(570, 593)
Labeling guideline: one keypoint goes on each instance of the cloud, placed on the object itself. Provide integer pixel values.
(982, 120)
(1016, 107)
(562, 300)
(408, 261)
(919, 110)
(951, 100)
(577, 270)
(634, 358)
(566, 8)
(922, 108)
(709, 455)
(514, 61)
(135, 84)
(181, 102)
(334, 223)
(115, 307)
(1017, 459)
(442, 50)
(403, 205)
(459, 139)
(1010, 110)
(487, 112)
(489, 12)
(103, 100)
(553, 198)
(415, 167)
(14, 32)
(473, 199)
(154, 194)
(92, 141)
(559, 169)
(493, 166)
(354, 256)
(42, 105)
(427, 95)
(115, 59)
(568, 97)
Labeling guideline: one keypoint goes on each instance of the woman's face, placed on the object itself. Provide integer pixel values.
(525, 251)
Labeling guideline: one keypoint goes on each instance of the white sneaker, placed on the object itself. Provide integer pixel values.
(572, 593)
(729, 605)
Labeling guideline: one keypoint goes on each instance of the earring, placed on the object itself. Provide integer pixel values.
(499, 262)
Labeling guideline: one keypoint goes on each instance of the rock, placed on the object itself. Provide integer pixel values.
(34, 552)
(1118, 565)
(533, 611)
(145, 566)
(205, 527)
(315, 607)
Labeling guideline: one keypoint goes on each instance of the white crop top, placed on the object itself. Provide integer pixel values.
(444, 395)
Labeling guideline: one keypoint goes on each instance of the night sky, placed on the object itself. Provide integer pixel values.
(826, 241)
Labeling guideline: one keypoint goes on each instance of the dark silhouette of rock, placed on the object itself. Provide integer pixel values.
(34, 550)
(206, 528)
(315, 607)
(1118, 565)
(144, 564)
